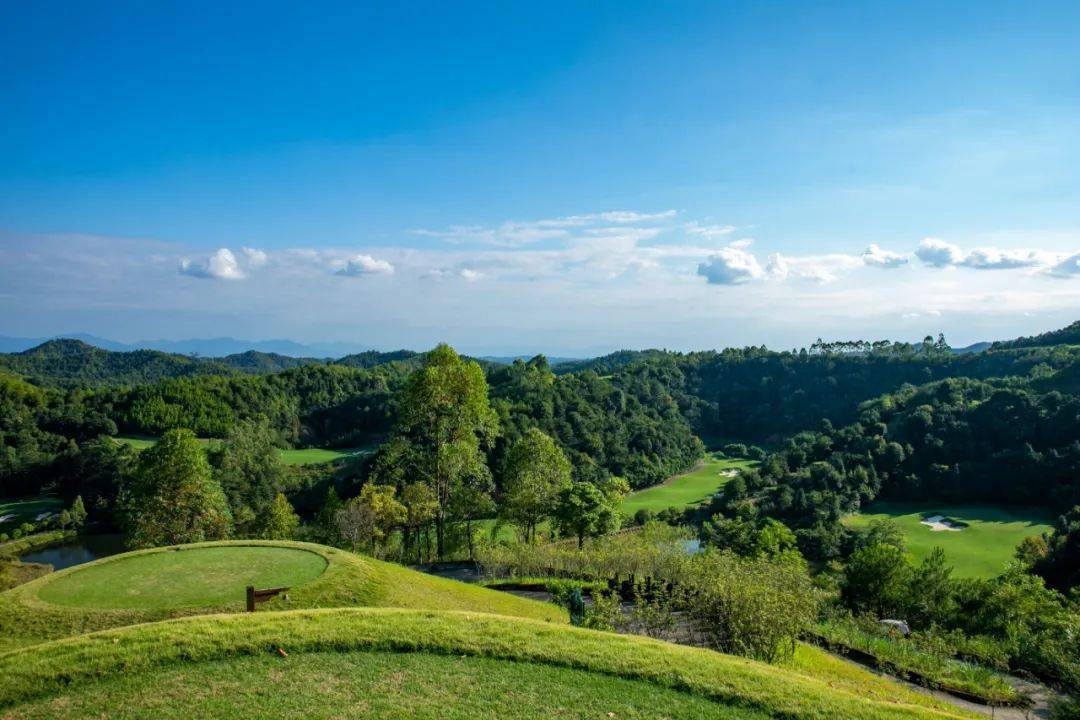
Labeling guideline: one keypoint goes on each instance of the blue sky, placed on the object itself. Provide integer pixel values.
(568, 178)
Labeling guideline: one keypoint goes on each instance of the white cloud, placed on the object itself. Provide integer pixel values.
(994, 259)
(222, 265)
(254, 257)
(816, 268)
(878, 257)
(708, 231)
(469, 274)
(515, 233)
(730, 266)
(363, 265)
(1066, 267)
(777, 267)
(938, 253)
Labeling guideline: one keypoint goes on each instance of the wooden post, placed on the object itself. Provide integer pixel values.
(251, 598)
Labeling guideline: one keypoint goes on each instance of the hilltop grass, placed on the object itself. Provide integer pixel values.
(18, 512)
(123, 667)
(373, 685)
(980, 550)
(690, 488)
(204, 577)
(63, 603)
(302, 456)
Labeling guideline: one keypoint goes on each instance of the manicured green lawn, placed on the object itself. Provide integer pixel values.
(15, 512)
(690, 488)
(374, 685)
(981, 549)
(315, 456)
(303, 456)
(473, 661)
(200, 577)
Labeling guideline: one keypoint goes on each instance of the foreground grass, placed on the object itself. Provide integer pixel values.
(63, 603)
(303, 456)
(373, 685)
(690, 488)
(154, 651)
(980, 550)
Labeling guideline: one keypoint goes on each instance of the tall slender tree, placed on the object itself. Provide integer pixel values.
(444, 423)
(536, 471)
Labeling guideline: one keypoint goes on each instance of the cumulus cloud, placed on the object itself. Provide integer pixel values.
(364, 265)
(938, 253)
(222, 265)
(730, 266)
(877, 257)
(994, 259)
(1066, 267)
(254, 257)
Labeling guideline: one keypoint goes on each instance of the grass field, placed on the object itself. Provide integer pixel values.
(979, 550)
(118, 590)
(15, 512)
(303, 456)
(407, 663)
(690, 488)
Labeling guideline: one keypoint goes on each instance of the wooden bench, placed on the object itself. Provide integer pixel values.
(260, 596)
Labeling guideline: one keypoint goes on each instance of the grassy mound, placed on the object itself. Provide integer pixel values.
(202, 577)
(983, 545)
(157, 584)
(482, 659)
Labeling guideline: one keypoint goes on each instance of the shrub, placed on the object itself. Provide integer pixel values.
(750, 606)
(735, 450)
(605, 613)
(643, 516)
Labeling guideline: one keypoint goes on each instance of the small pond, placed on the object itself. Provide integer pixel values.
(77, 551)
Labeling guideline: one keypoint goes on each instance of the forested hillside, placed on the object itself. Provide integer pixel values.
(1065, 336)
(927, 417)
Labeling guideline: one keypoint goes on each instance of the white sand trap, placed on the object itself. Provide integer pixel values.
(5, 518)
(42, 516)
(938, 523)
(728, 473)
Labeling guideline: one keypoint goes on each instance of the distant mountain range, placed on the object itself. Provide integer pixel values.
(204, 347)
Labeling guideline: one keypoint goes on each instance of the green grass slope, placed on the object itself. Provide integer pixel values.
(689, 488)
(980, 550)
(459, 665)
(202, 578)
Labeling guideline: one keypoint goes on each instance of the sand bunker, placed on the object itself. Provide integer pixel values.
(938, 523)
(42, 516)
(728, 473)
(5, 518)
